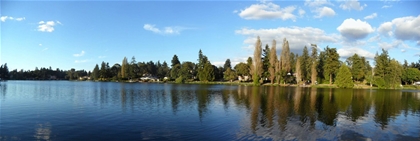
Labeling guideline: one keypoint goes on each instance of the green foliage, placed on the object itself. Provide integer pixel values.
(175, 61)
(257, 66)
(205, 70)
(265, 62)
(380, 82)
(227, 65)
(242, 69)
(175, 71)
(229, 74)
(187, 70)
(314, 62)
(410, 75)
(124, 68)
(180, 79)
(344, 77)
(332, 63)
(273, 62)
(206, 73)
(358, 67)
(4, 72)
(95, 73)
(388, 70)
(305, 64)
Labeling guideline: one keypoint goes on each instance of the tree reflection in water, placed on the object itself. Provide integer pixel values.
(308, 113)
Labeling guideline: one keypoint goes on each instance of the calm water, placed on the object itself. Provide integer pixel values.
(62, 110)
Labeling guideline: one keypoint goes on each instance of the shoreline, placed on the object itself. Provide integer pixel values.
(357, 86)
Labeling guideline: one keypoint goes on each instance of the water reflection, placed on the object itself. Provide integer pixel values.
(297, 111)
(43, 132)
(3, 88)
(215, 112)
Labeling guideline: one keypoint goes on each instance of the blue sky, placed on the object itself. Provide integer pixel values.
(79, 35)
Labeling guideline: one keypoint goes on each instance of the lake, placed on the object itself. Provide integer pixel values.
(67, 111)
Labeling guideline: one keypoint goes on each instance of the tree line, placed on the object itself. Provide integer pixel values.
(266, 66)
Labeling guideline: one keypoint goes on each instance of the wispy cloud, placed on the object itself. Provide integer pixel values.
(324, 12)
(100, 57)
(40, 45)
(47, 26)
(45, 49)
(80, 54)
(267, 10)
(167, 30)
(386, 6)
(352, 4)
(4, 18)
(371, 16)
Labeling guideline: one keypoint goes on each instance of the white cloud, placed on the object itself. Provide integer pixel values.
(352, 4)
(386, 6)
(80, 54)
(81, 61)
(317, 3)
(385, 29)
(4, 18)
(403, 28)
(100, 57)
(301, 12)
(20, 19)
(267, 10)
(407, 28)
(298, 37)
(166, 30)
(387, 46)
(348, 52)
(40, 44)
(352, 29)
(371, 16)
(45, 49)
(47, 26)
(324, 12)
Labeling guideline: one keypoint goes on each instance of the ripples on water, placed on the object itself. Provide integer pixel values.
(62, 110)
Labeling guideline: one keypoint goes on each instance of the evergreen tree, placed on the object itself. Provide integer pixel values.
(382, 69)
(265, 62)
(322, 58)
(175, 67)
(4, 72)
(206, 73)
(175, 61)
(395, 73)
(227, 65)
(298, 70)
(305, 63)
(95, 72)
(357, 67)
(344, 77)
(102, 72)
(332, 63)
(249, 63)
(133, 68)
